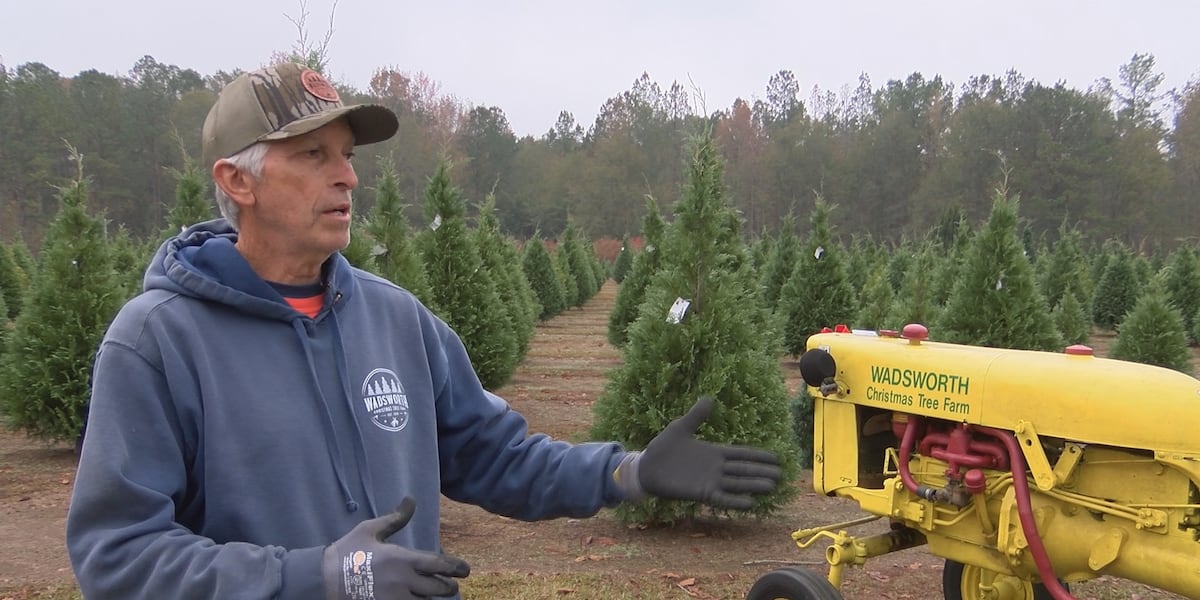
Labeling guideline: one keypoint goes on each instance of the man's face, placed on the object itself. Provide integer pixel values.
(302, 200)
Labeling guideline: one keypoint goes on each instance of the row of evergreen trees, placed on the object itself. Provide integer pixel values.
(992, 287)
(54, 310)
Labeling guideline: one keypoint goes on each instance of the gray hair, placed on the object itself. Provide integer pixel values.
(249, 160)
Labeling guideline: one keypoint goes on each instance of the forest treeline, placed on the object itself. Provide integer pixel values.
(1119, 160)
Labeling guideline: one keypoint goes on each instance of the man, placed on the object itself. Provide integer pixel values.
(260, 409)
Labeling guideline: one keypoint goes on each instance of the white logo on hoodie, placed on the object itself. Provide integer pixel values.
(385, 401)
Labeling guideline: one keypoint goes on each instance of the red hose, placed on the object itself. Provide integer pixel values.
(1025, 512)
(1021, 488)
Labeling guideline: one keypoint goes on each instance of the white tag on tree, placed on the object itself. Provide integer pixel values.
(818, 252)
(675, 315)
(437, 222)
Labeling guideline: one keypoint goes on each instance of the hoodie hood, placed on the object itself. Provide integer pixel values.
(203, 263)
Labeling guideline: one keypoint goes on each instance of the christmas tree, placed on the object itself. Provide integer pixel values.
(700, 333)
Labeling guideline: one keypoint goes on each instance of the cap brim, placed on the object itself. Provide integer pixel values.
(370, 123)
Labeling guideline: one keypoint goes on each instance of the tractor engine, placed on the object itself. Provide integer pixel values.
(1026, 471)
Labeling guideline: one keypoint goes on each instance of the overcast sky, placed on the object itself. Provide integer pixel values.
(534, 58)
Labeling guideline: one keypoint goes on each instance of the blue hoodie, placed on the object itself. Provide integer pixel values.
(231, 438)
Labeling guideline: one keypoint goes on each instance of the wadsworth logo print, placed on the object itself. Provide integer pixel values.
(385, 400)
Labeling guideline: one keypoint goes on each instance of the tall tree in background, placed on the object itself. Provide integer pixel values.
(578, 262)
(12, 288)
(1117, 289)
(996, 302)
(784, 256)
(396, 256)
(915, 302)
(191, 202)
(818, 292)
(464, 292)
(1153, 333)
(499, 256)
(645, 265)
(45, 368)
(1181, 283)
(715, 346)
(624, 260)
(543, 280)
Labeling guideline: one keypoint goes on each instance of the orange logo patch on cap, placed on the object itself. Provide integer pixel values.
(318, 86)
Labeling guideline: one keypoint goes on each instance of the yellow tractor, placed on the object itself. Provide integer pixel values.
(1025, 471)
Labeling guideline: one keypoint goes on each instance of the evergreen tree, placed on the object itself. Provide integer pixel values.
(26, 266)
(578, 263)
(1182, 285)
(760, 251)
(566, 281)
(543, 280)
(500, 257)
(899, 263)
(623, 262)
(45, 369)
(361, 250)
(818, 292)
(633, 290)
(1072, 320)
(463, 290)
(996, 301)
(950, 265)
(191, 203)
(714, 346)
(781, 263)
(129, 258)
(1153, 333)
(11, 286)
(1196, 326)
(1064, 270)
(915, 302)
(1117, 290)
(875, 301)
(395, 255)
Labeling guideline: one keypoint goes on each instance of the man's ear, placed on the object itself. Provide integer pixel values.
(236, 183)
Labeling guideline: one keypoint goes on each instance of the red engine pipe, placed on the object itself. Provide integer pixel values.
(1020, 487)
(1025, 512)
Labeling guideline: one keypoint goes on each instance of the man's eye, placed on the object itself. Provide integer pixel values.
(349, 155)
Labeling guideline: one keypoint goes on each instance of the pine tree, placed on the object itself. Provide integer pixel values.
(395, 256)
(500, 257)
(191, 204)
(996, 301)
(781, 263)
(875, 301)
(463, 290)
(1064, 270)
(1153, 333)
(915, 301)
(1072, 320)
(633, 289)
(578, 263)
(715, 346)
(566, 281)
(45, 368)
(950, 265)
(623, 262)
(543, 280)
(11, 286)
(361, 250)
(1182, 285)
(818, 292)
(1117, 290)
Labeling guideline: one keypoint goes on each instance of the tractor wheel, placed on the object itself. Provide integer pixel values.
(961, 582)
(792, 583)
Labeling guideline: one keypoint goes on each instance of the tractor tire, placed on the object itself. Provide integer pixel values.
(961, 582)
(793, 583)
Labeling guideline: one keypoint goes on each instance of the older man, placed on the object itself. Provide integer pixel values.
(262, 407)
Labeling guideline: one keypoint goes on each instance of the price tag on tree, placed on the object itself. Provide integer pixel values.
(675, 315)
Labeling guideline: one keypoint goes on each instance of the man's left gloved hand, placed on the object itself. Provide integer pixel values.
(677, 466)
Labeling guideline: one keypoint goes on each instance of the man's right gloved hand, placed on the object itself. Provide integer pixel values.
(362, 565)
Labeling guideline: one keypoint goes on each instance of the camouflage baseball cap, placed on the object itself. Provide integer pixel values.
(280, 102)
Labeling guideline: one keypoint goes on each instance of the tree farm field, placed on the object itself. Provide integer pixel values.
(595, 559)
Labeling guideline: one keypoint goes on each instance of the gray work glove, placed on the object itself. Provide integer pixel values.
(677, 466)
(363, 566)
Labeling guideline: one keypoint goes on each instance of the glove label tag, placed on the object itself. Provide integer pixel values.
(358, 576)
